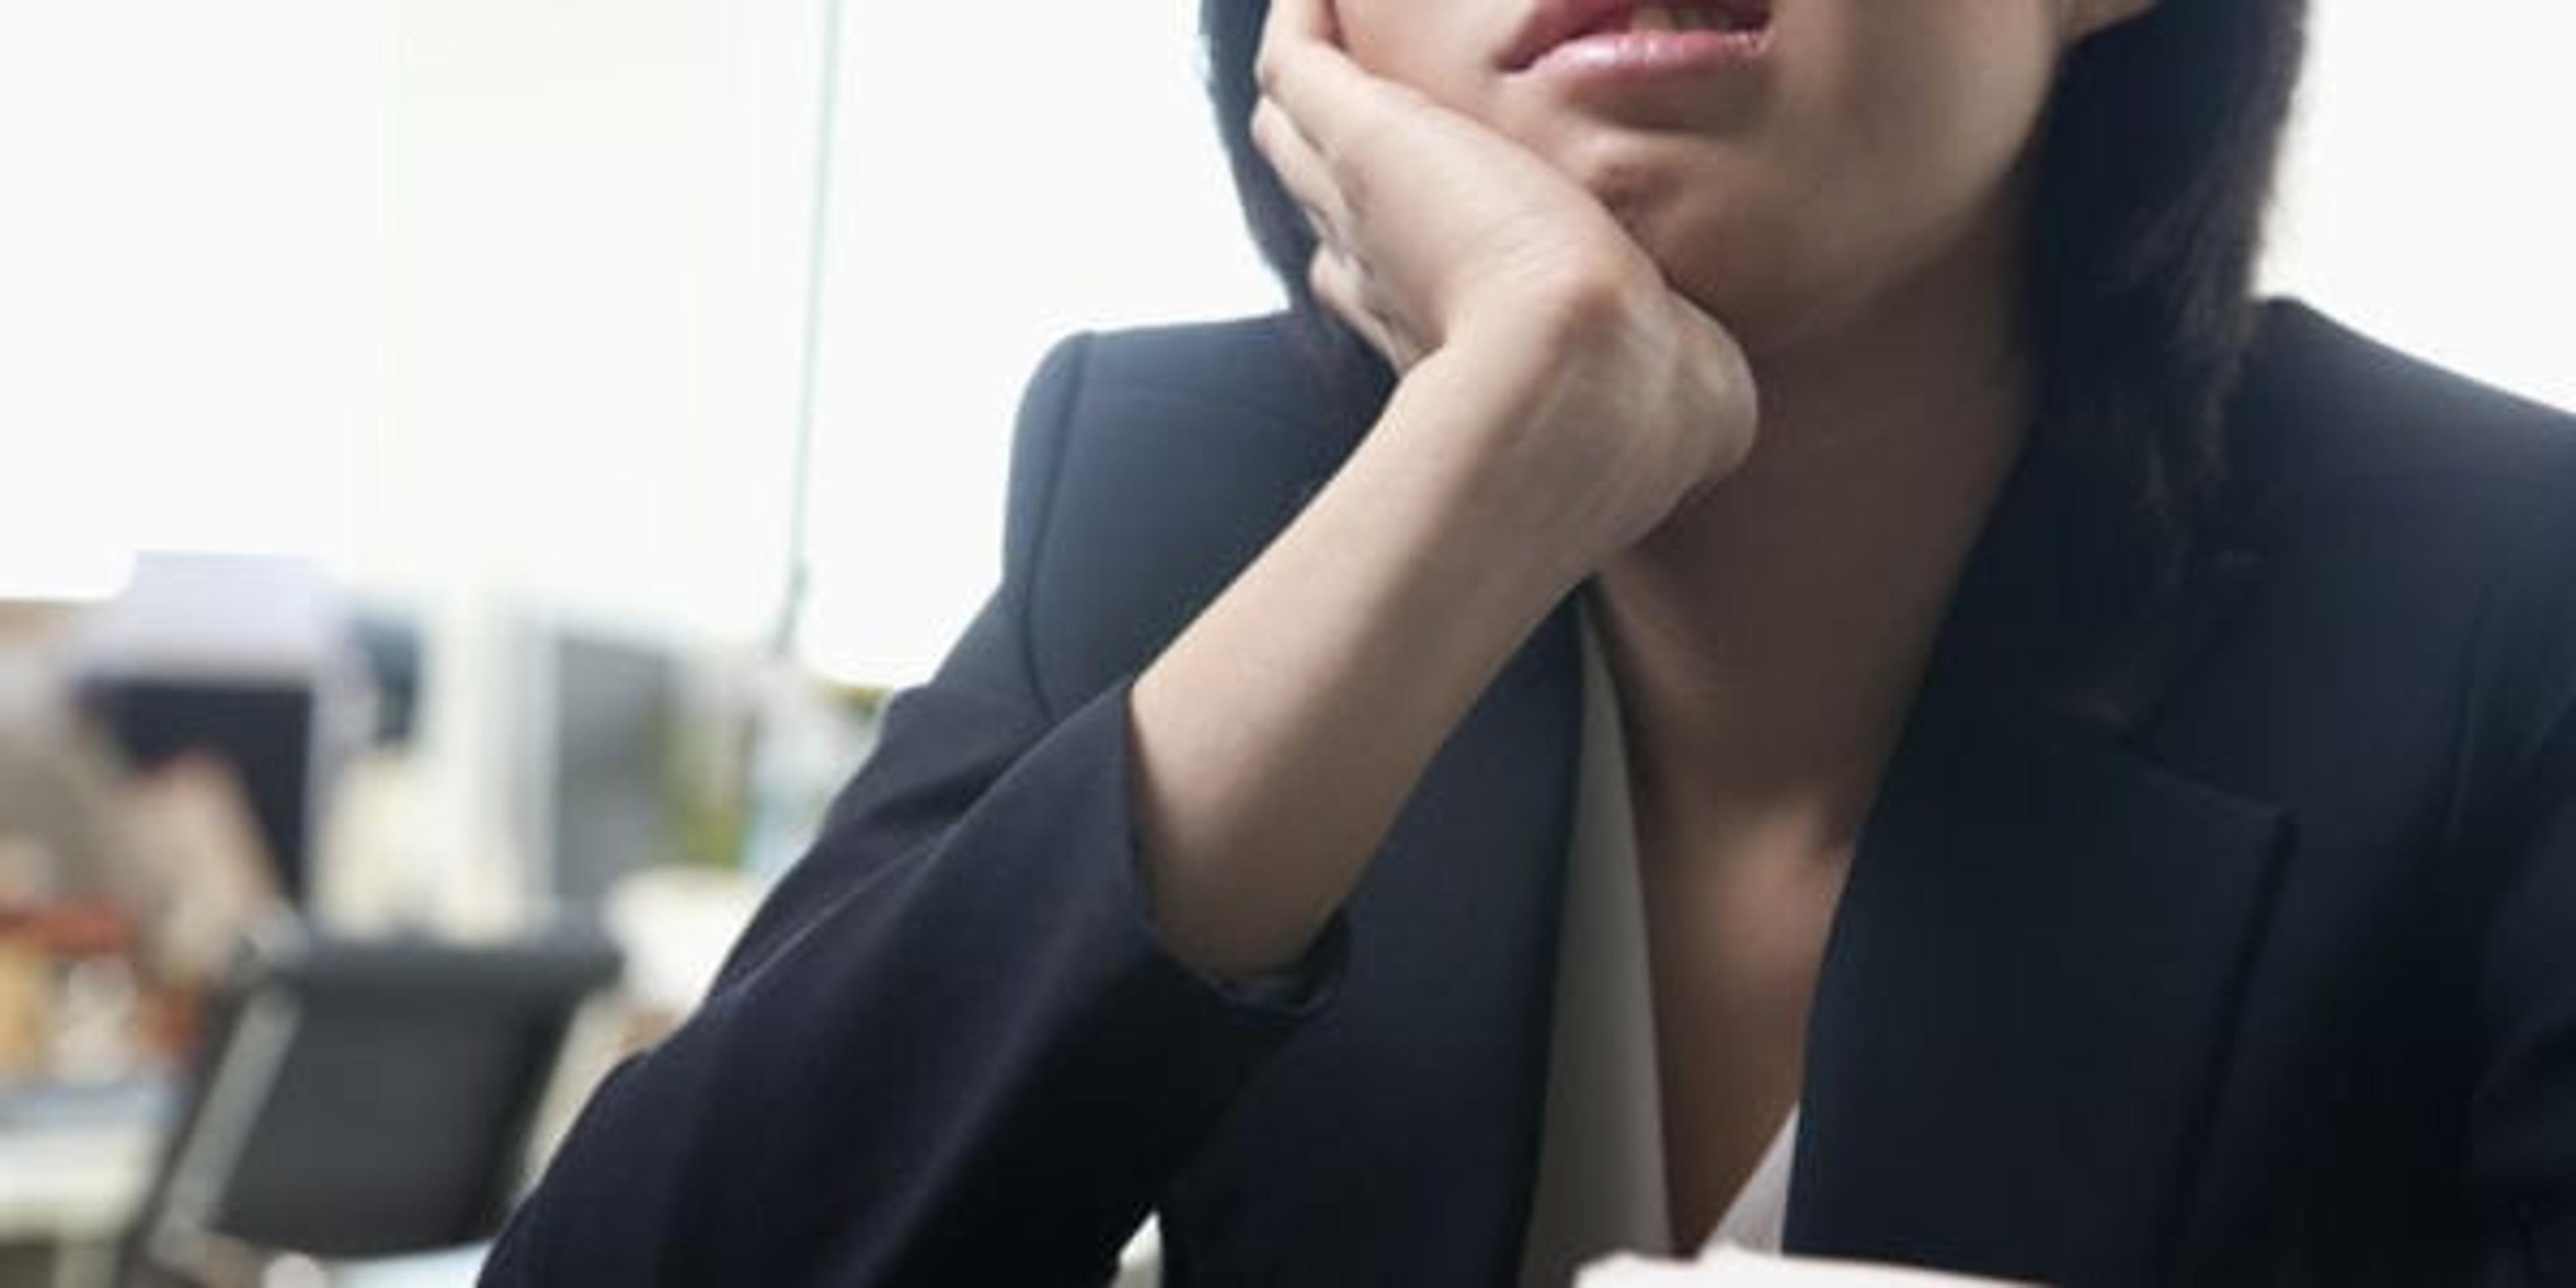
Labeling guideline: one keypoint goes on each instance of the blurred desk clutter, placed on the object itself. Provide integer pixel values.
(316, 924)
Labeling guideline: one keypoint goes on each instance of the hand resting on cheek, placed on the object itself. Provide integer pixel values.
(1451, 248)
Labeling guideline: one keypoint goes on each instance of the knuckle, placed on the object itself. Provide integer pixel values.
(1330, 276)
(1368, 143)
(1320, 277)
(1318, 226)
(1269, 129)
(1358, 193)
(1572, 294)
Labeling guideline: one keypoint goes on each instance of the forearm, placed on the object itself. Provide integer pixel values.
(1278, 737)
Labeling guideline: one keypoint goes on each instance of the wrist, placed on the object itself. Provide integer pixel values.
(1496, 475)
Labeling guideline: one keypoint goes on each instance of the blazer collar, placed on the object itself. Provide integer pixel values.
(2026, 1001)
(2094, 619)
(2034, 971)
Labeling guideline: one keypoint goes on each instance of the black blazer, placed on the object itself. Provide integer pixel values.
(2248, 954)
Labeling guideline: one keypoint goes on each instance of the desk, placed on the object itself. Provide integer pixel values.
(67, 1193)
(73, 1183)
(68, 1188)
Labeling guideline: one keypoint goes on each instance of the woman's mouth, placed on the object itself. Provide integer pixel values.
(1625, 36)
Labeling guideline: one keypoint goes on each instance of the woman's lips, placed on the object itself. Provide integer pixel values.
(1623, 37)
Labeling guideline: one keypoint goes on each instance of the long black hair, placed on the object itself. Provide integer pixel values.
(2154, 173)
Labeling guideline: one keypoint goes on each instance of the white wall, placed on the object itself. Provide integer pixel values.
(597, 294)
(598, 272)
(193, 205)
(449, 293)
(1065, 178)
(2429, 197)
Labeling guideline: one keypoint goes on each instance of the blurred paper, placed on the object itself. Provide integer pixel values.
(1728, 1266)
(203, 880)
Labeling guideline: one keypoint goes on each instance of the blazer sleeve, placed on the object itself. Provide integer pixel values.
(2523, 1147)
(2526, 1107)
(950, 1049)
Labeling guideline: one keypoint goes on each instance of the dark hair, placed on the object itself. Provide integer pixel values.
(2154, 173)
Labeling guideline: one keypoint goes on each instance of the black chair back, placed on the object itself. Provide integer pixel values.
(367, 1099)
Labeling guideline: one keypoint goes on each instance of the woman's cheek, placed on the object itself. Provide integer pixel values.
(1408, 41)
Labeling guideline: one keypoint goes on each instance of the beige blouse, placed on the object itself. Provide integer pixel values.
(1601, 1154)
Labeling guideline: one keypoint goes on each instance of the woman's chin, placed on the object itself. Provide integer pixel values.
(1753, 295)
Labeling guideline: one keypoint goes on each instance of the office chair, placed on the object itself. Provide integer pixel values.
(361, 1099)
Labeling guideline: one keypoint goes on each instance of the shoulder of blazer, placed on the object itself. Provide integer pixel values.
(2435, 495)
(1149, 467)
(2322, 406)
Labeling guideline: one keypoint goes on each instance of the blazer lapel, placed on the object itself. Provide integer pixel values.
(2034, 972)
(2029, 990)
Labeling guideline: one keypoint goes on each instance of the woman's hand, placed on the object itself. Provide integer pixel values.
(1471, 263)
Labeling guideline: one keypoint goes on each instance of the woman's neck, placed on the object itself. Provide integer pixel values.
(1769, 637)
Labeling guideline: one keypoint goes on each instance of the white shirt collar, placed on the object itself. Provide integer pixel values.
(1601, 1157)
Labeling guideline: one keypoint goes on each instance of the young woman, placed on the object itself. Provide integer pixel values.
(1821, 677)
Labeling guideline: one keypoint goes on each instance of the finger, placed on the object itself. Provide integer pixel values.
(1296, 22)
(1336, 284)
(1335, 103)
(1301, 170)
(1344, 288)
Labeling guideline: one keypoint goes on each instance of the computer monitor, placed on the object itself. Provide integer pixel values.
(597, 773)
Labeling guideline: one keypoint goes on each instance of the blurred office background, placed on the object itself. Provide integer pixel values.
(470, 470)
